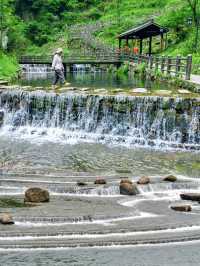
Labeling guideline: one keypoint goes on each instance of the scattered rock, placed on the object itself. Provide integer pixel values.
(36, 195)
(170, 178)
(128, 188)
(182, 208)
(139, 90)
(144, 180)
(100, 182)
(6, 218)
(81, 184)
(190, 196)
(126, 180)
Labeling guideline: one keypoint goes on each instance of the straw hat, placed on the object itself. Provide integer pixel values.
(59, 51)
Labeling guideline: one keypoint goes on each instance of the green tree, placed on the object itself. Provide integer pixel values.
(194, 5)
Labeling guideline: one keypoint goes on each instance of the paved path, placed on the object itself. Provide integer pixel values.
(195, 79)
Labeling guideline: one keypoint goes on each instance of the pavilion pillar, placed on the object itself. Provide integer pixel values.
(141, 45)
(162, 42)
(150, 45)
(120, 43)
(127, 42)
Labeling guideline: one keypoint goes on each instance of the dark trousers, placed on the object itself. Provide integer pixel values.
(59, 77)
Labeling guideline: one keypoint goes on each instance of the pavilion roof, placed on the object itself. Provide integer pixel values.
(143, 31)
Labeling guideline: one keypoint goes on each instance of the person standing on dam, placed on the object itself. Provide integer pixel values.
(57, 66)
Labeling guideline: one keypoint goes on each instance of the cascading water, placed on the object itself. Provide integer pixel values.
(128, 120)
(35, 68)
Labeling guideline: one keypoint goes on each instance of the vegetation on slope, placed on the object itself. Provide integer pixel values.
(41, 25)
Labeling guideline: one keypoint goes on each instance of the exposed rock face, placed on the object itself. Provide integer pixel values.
(1, 118)
(190, 196)
(144, 180)
(36, 195)
(182, 208)
(100, 182)
(6, 218)
(170, 178)
(128, 188)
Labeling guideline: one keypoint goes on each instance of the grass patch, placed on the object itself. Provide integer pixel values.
(8, 67)
(11, 203)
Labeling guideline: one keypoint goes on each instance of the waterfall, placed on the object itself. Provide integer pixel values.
(126, 120)
(36, 68)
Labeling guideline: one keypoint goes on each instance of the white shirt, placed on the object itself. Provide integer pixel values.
(57, 62)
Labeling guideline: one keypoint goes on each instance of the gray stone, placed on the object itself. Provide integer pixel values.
(128, 188)
(182, 208)
(144, 180)
(170, 178)
(190, 196)
(6, 218)
(100, 182)
(139, 90)
(36, 195)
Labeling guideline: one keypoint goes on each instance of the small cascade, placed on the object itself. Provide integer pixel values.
(36, 68)
(126, 120)
(81, 68)
(167, 187)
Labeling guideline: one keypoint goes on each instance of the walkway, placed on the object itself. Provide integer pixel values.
(195, 79)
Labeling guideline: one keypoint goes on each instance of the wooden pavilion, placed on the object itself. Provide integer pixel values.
(148, 30)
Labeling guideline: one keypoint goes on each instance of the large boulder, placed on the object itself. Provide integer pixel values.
(126, 180)
(170, 178)
(128, 188)
(6, 218)
(190, 196)
(100, 181)
(36, 195)
(182, 208)
(144, 180)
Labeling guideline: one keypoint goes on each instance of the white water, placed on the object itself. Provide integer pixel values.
(120, 120)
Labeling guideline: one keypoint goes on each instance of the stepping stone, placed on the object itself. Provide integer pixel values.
(3, 82)
(139, 90)
(12, 87)
(38, 88)
(184, 91)
(163, 92)
(117, 90)
(27, 87)
(67, 84)
(84, 89)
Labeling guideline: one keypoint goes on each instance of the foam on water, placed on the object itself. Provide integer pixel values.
(117, 120)
(103, 235)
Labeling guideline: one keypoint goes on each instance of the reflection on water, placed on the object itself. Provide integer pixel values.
(25, 156)
(90, 80)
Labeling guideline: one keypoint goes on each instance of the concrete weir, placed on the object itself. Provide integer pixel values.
(68, 143)
(122, 120)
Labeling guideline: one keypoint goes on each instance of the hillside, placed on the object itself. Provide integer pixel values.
(40, 25)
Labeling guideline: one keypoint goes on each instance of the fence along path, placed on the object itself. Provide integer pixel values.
(179, 66)
(173, 66)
